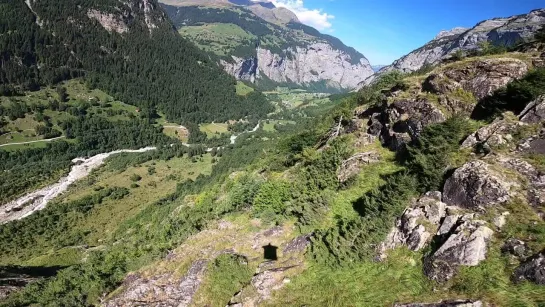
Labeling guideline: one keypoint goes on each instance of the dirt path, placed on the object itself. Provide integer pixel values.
(37, 141)
(37, 200)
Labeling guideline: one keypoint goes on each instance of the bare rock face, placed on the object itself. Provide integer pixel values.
(480, 77)
(466, 245)
(476, 185)
(314, 63)
(110, 22)
(455, 303)
(403, 121)
(418, 224)
(499, 31)
(140, 291)
(532, 270)
(534, 112)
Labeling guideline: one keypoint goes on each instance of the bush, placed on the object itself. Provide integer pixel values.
(135, 177)
(357, 239)
(427, 157)
(272, 197)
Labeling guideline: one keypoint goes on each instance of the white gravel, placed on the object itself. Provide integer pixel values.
(38, 200)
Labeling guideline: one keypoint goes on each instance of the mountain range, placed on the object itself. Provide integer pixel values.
(268, 46)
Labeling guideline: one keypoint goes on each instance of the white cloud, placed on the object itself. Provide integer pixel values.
(312, 17)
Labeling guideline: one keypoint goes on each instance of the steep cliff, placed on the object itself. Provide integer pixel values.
(498, 31)
(262, 44)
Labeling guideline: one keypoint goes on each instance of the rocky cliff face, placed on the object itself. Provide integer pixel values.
(499, 31)
(301, 65)
(262, 44)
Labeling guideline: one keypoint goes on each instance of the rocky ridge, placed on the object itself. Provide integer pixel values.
(499, 31)
(465, 222)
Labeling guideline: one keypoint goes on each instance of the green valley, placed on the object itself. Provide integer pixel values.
(138, 167)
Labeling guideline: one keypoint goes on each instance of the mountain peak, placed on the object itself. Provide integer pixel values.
(454, 31)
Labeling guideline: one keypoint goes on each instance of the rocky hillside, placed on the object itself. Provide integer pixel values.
(259, 43)
(498, 31)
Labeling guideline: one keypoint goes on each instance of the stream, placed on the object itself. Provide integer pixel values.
(37, 200)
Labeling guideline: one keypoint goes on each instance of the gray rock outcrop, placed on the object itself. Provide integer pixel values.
(480, 77)
(351, 166)
(515, 247)
(418, 224)
(475, 185)
(532, 270)
(497, 134)
(466, 245)
(403, 120)
(498, 31)
(534, 112)
(141, 291)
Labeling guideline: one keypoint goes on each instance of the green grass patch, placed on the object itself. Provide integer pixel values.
(243, 89)
(227, 274)
(219, 38)
(213, 129)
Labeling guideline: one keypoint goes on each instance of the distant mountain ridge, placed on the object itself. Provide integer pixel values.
(499, 31)
(268, 46)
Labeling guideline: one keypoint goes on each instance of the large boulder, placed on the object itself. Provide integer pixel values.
(466, 245)
(480, 77)
(498, 134)
(532, 270)
(534, 113)
(418, 224)
(476, 185)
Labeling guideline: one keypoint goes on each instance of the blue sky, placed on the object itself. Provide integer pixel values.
(385, 30)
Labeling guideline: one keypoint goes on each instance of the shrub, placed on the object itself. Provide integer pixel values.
(135, 177)
(272, 197)
(428, 156)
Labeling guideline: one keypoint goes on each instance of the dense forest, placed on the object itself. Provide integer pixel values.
(147, 64)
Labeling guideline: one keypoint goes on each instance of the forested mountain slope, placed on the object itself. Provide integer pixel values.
(262, 44)
(127, 48)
